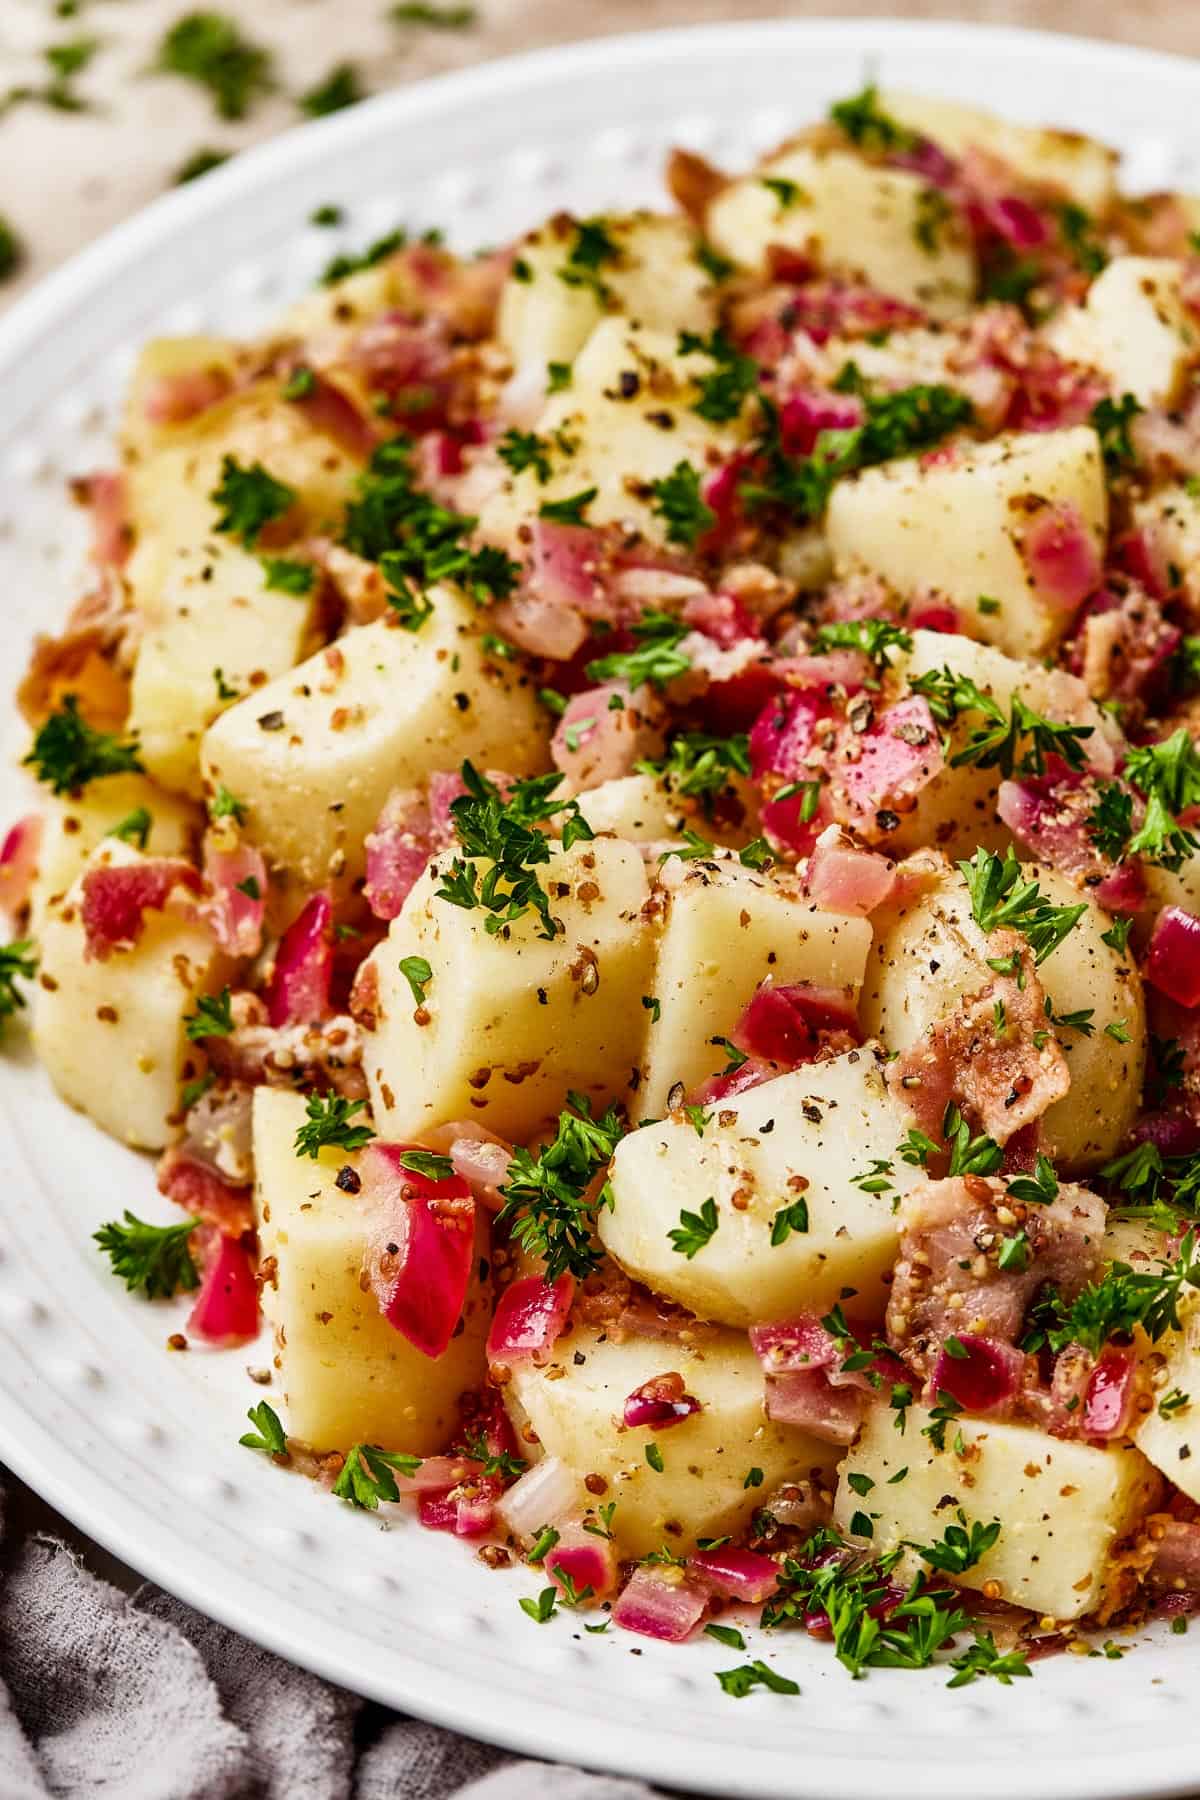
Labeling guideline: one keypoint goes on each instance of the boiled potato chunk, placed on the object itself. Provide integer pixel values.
(1062, 1506)
(348, 1377)
(806, 1135)
(314, 754)
(1172, 1441)
(851, 215)
(213, 629)
(930, 954)
(512, 1021)
(575, 1406)
(725, 929)
(547, 311)
(956, 811)
(73, 825)
(1134, 327)
(625, 422)
(111, 1033)
(1080, 166)
(1171, 516)
(165, 359)
(955, 527)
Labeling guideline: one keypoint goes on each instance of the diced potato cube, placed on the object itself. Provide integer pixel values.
(575, 1406)
(1134, 327)
(645, 809)
(551, 304)
(111, 1033)
(956, 811)
(725, 929)
(213, 629)
(348, 1377)
(1063, 1506)
(512, 1021)
(805, 1136)
(1171, 1437)
(929, 955)
(852, 216)
(626, 421)
(1080, 166)
(1171, 517)
(166, 359)
(73, 825)
(955, 527)
(314, 754)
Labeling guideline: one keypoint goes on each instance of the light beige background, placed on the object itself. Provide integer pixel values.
(64, 178)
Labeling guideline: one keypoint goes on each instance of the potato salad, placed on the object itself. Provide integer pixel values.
(622, 816)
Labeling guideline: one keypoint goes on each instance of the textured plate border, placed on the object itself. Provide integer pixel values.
(137, 1448)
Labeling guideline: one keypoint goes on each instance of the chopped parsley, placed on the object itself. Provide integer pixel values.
(1112, 419)
(700, 766)
(134, 828)
(694, 1230)
(961, 1546)
(525, 450)
(155, 1260)
(12, 251)
(592, 248)
(18, 961)
(200, 162)
(569, 511)
(284, 576)
(867, 125)
(68, 753)
(268, 1434)
(417, 542)
(367, 1475)
(657, 658)
(873, 637)
(224, 805)
(541, 1609)
(339, 89)
(983, 1658)
(213, 1017)
(677, 501)
(739, 1682)
(418, 974)
(438, 18)
(793, 1218)
(248, 500)
(209, 49)
(1166, 775)
(1000, 896)
(351, 262)
(504, 833)
(429, 1164)
(546, 1193)
(722, 392)
(1123, 1298)
(329, 1127)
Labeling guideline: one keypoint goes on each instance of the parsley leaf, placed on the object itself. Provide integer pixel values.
(866, 125)
(268, 1434)
(418, 974)
(677, 501)
(569, 511)
(504, 833)
(734, 376)
(213, 1017)
(67, 752)
(961, 1546)
(284, 576)
(1112, 419)
(424, 543)
(739, 1682)
(247, 500)
(209, 49)
(366, 1476)
(1000, 896)
(546, 1194)
(339, 89)
(874, 637)
(657, 659)
(700, 766)
(18, 960)
(983, 1658)
(328, 1126)
(134, 828)
(694, 1230)
(155, 1260)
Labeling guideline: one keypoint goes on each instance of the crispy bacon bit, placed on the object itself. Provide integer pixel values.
(199, 1189)
(116, 898)
(997, 1075)
(948, 1281)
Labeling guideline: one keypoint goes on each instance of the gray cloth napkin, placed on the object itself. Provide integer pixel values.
(137, 1697)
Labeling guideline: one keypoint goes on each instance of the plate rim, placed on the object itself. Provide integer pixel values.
(544, 1729)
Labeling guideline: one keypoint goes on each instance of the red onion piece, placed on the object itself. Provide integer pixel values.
(18, 861)
(782, 1024)
(226, 1308)
(235, 916)
(1060, 556)
(438, 1474)
(529, 1318)
(299, 990)
(804, 416)
(986, 1379)
(845, 877)
(661, 1604)
(586, 1562)
(736, 1574)
(1108, 1405)
(467, 1514)
(1172, 960)
(899, 756)
(422, 1246)
(398, 848)
(545, 1494)
(660, 1402)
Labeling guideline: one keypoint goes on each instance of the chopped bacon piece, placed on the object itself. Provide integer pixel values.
(237, 903)
(948, 1282)
(604, 732)
(1126, 646)
(1048, 816)
(117, 896)
(998, 1076)
(398, 847)
(300, 980)
(661, 1603)
(330, 410)
(846, 877)
(199, 1189)
(898, 756)
(788, 1024)
(107, 497)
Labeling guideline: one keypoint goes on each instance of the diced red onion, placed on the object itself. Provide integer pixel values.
(1060, 556)
(782, 1024)
(736, 1574)
(226, 1308)
(1109, 1403)
(586, 1562)
(804, 416)
(398, 848)
(467, 1514)
(660, 1402)
(234, 915)
(422, 1246)
(1172, 960)
(529, 1319)
(845, 877)
(661, 1604)
(299, 990)
(900, 755)
(985, 1380)
(545, 1494)
(438, 1474)
(18, 861)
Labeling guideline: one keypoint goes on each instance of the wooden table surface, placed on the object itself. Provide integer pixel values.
(65, 176)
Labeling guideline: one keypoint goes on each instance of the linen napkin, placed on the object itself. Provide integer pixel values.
(137, 1697)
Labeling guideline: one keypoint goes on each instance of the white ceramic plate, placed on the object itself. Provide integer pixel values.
(140, 1448)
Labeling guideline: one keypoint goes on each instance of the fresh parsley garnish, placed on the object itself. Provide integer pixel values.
(209, 49)
(1000, 896)
(694, 1230)
(134, 828)
(268, 1434)
(867, 125)
(657, 658)
(68, 753)
(339, 89)
(734, 375)
(700, 766)
(983, 1658)
(503, 833)
(1112, 419)
(429, 1164)
(418, 974)
(961, 1545)
(282, 575)
(678, 503)
(248, 500)
(213, 1017)
(738, 1682)
(423, 542)
(546, 1193)
(329, 1126)
(570, 511)
(155, 1260)
(367, 1475)
(18, 961)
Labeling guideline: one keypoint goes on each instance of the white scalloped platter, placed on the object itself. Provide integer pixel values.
(139, 1447)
